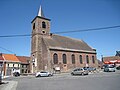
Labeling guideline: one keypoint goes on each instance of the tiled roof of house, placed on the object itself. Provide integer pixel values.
(66, 43)
(111, 58)
(24, 59)
(10, 57)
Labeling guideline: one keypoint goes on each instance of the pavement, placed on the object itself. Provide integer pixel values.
(8, 85)
(12, 85)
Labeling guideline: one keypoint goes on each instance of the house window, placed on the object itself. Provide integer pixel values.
(87, 59)
(22, 66)
(81, 62)
(43, 24)
(55, 58)
(64, 59)
(93, 59)
(73, 59)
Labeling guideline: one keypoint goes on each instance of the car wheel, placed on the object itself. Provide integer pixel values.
(82, 74)
(72, 73)
(49, 75)
(38, 76)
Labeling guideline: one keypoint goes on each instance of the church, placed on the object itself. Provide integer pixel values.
(49, 51)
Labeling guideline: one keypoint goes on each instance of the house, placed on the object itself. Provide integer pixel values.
(112, 59)
(1, 63)
(24, 64)
(11, 63)
(49, 51)
(117, 53)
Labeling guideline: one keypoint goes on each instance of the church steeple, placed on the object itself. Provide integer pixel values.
(40, 12)
(41, 24)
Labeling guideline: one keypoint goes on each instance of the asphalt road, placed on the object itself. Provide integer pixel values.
(97, 81)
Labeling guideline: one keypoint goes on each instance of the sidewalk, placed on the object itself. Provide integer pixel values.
(8, 85)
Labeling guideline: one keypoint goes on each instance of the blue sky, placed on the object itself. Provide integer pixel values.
(65, 15)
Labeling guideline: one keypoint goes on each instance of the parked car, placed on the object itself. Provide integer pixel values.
(109, 68)
(90, 69)
(80, 71)
(43, 74)
(118, 68)
(0, 78)
(16, 74)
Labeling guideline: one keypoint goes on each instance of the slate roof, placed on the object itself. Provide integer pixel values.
(66, 43)
(23, 59)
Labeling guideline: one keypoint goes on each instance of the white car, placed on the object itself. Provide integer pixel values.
(109, 68)
(43, 74)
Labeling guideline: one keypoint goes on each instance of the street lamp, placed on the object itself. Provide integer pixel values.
(33, 63)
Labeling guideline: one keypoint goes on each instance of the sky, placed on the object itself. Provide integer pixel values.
(65, 15)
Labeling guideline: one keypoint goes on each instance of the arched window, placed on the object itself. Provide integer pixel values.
(43, 25)
(55, 58)
(73, 59)
(33, 26)
(81, 62)
(93, 59)
(87, 59)
(64, 59)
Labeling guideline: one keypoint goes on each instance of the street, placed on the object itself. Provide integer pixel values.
(95, 81)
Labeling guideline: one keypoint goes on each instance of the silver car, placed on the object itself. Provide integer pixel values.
(43, 74)
(79, 71)
(109, 68)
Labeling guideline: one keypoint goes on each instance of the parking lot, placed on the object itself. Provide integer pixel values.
(65, 81)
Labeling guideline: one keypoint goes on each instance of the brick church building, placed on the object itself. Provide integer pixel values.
(49, 50)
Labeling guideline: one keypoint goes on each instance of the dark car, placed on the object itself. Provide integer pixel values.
(79, 71)
(90, 69)
(118, 68)
(0, 78)
(16, 74)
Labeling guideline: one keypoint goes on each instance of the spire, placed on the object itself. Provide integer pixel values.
(40, 12)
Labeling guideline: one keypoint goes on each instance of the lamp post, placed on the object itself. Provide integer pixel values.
(102, 58)
(33, 63)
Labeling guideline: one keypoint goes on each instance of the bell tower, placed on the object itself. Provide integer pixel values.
(40, 24)
(40, 29)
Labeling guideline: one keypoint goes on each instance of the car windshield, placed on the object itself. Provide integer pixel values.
(111, 66)
(43, 72)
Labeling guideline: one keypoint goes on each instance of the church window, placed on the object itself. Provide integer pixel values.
(64, 59)
(33, 26)
(93, 59)
(55, 58)
(87, 59)
(43, 25)
(73, 59)
(81, 62)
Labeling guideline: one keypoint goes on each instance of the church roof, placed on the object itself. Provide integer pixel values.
(66, 43)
